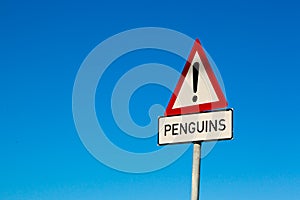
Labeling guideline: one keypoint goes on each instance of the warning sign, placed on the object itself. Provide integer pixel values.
(198, 88)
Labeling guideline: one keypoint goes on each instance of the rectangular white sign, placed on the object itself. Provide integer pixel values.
(216, 125)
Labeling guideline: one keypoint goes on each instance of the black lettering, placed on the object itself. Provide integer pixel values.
(192, 127)
(167, 128)
(198, 127)
(183, 128)
(206, 125)
(174, 129)
(213, 125)
(222, 125)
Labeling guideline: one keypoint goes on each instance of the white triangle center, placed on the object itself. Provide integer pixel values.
(205, 92)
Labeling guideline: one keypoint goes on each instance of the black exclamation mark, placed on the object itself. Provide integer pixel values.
(195, 79)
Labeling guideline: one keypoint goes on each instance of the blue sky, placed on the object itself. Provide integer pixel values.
(255, 45)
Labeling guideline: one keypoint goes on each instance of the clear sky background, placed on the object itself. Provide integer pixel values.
(255, 45)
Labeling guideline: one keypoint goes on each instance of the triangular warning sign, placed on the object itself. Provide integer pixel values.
(198, 88)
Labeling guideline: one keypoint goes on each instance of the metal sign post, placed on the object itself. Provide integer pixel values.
(196, 171)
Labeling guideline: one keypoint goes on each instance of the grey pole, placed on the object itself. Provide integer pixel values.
(196, 171)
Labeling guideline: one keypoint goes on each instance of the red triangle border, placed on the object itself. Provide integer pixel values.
(221, 103)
